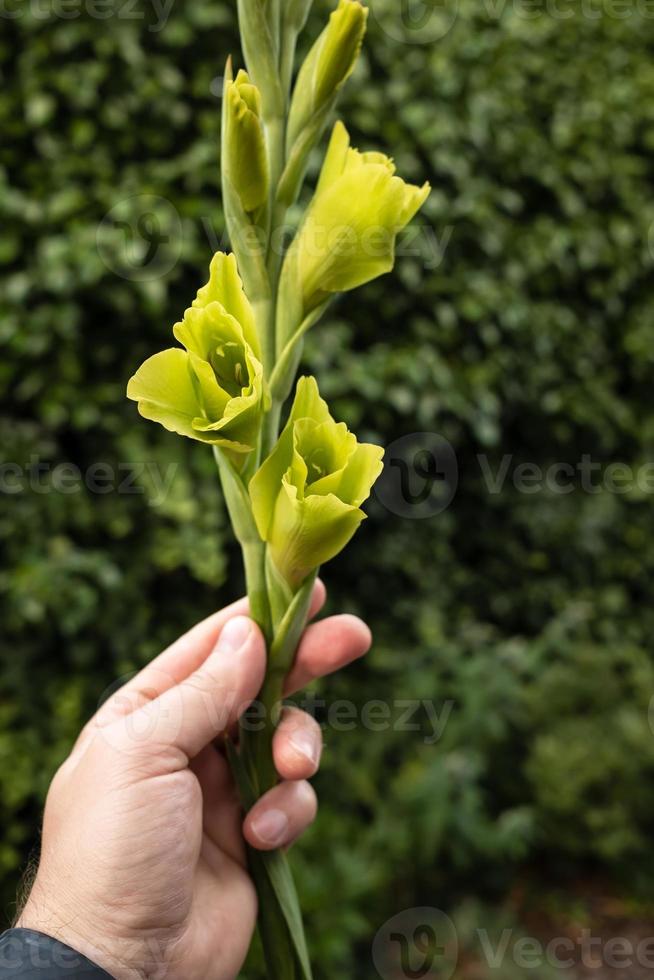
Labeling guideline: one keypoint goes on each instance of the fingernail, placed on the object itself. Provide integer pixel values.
(234, 634)
(307, 746)
(271, 827)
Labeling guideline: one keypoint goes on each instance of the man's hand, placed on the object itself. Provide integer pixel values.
(143, 866)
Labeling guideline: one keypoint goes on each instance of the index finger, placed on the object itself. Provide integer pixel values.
(178, 661)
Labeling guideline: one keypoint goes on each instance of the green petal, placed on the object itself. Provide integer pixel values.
(334, 162)
(212, 397)
(204, 329)
(362, 470)
(308, 403)
(248, 92)
(267, 481)
(226, 288)
(325, 449)
(165, 391)
(356, 159)
(307, 533)
(264, 487)
(240, 420)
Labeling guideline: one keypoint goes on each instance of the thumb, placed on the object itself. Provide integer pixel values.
(194, 712)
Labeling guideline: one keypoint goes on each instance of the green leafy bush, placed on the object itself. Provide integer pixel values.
(518, 323)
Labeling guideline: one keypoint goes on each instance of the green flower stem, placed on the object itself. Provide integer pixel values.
(264, 313)
(275, 127)
(271, 427)
(275, 138)
(251, 747)
(280, 919)
(282, 938)
(256, 758)
(254, 557)
(285, 640)
(280, 615)
(276, 134)
(253, 549)
(256, 742)
(274, 19)
(288, 44)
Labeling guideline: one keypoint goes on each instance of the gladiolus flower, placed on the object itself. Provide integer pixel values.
(212, 391)
(307, 495)
(349, 232)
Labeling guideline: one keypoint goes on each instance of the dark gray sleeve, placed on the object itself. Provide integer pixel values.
(29, 955)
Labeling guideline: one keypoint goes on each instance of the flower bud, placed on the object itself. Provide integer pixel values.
(307, 495)
(348, 234)
(328, 65)
(246, 162)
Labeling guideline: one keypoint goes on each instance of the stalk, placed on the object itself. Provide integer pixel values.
(216, 390)
(269, 42)
(282, 618)
(264, 311)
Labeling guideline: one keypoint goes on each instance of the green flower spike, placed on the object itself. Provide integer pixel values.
(214, 390)
(307, 495)
(246, 166)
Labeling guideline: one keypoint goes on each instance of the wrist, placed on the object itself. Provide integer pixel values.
(29, 953)
(122, 959)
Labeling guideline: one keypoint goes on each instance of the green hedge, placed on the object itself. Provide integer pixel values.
(527, 616)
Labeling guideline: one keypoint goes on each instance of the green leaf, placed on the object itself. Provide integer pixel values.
(279, 874)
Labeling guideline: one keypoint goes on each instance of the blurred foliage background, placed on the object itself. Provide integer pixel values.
(517, 324)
